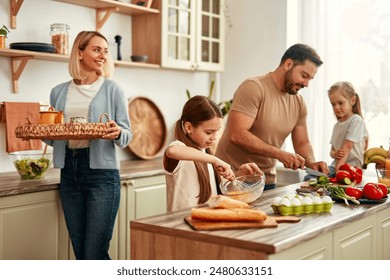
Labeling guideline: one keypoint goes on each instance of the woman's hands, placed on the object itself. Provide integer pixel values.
(114, 132)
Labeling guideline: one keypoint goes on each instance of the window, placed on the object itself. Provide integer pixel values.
(353, 39)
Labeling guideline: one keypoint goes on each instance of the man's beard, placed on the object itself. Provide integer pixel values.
(289, 84)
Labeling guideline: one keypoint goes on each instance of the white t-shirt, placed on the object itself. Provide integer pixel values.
(353, 129)
(183, 184)
(77, 105)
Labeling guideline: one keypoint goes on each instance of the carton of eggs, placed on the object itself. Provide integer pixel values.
(299, 205)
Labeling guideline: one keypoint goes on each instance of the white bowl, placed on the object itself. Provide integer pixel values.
(31, 164)
(245, 188)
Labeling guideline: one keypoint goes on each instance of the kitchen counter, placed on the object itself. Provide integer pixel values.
(11, 184)
(168, 236)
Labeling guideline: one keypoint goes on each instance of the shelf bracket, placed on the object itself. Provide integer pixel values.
(101, 19)
(14, 9)
(17, 65)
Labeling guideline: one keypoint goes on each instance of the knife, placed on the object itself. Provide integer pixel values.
(314, 172)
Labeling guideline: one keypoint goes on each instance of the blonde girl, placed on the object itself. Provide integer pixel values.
(350, 137)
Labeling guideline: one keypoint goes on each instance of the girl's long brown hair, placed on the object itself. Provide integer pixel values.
(197, 110)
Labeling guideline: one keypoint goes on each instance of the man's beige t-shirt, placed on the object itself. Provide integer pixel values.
(275, 114)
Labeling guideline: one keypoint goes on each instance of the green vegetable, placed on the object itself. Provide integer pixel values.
(32, 168)
(338, 192)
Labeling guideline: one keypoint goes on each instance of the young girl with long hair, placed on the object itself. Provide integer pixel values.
(192, 172)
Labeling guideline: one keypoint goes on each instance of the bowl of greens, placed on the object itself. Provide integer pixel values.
(32, 164)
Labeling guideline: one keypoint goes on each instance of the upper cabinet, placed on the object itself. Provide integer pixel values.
(189, 33)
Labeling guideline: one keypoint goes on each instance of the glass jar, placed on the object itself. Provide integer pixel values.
(60, 37)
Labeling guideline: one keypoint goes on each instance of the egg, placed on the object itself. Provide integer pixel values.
(317, 200)
(307, 200)
(285, 201)
(326, 199)
(276, 200)
(295, 202)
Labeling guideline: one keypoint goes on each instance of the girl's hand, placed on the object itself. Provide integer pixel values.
(249, 168)
(114, 132)
(225, 170)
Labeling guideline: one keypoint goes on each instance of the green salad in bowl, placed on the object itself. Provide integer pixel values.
(31, 164)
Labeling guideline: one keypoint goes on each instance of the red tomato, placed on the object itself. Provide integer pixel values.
(372, 191)
(359, 175)
(333, 180)
(351, 170)
(341, 177)
(383, 189)
(355, 192)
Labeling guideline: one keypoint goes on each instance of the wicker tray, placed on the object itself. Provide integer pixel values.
(66, 131)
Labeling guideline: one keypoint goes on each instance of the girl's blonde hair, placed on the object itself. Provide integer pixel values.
(348, 91)
(197, 110)
(80, 43)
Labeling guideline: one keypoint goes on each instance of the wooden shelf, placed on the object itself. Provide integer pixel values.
(19, 59)
(120, 7)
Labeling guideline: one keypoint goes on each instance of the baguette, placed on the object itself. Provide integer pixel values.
(228, 215)
(220, 201)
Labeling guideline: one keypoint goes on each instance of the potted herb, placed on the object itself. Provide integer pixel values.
(3, 34)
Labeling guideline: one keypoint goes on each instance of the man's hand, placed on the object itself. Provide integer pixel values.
(291, 161)
(319, 166)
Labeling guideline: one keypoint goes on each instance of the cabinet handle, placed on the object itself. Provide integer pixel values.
(128, 183)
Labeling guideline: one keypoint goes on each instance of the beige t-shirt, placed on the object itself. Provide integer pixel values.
(275, 115)
(183, 184)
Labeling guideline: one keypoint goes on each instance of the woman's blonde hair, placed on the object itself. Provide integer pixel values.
(80, 43)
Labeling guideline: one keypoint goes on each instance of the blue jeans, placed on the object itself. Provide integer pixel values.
(90, 199)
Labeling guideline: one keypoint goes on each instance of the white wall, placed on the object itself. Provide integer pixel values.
(255, 42)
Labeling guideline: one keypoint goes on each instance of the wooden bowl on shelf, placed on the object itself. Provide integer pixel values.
(139, 58)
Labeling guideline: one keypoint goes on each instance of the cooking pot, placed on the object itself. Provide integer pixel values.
(50, 116)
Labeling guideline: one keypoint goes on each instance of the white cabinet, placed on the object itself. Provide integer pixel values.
(384, 234)
(363, 239)
(141, 197)
(32, 227)
(357, 240)
(319, 248)
(189, 33)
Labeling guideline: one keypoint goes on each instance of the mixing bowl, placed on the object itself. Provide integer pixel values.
(245, 188)
(31, 164)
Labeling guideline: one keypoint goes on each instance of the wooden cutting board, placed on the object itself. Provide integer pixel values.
(270, 222)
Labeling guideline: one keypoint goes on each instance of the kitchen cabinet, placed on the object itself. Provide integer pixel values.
(32, 227)
(140, 197)
(190, 35)
(384, 234)
(104, 9)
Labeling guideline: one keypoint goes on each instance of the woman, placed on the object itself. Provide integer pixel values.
(90, 181)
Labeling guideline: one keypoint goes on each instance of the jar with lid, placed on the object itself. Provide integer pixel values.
(59, 37)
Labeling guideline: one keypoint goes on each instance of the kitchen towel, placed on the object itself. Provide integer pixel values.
(15, 115)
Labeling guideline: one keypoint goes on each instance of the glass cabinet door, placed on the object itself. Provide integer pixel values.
(179, 33)
(210, 32)
(192, 34)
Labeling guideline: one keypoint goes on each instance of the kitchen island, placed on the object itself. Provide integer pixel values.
(346, 232)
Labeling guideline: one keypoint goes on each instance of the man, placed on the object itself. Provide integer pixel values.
(265, 110)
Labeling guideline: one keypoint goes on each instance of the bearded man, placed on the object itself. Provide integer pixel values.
(265, 110)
